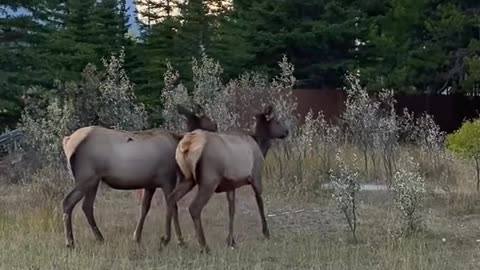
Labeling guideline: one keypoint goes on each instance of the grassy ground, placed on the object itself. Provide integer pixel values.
(305, 235)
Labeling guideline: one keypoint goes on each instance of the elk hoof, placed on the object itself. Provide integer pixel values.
(205, 250)
(136, 238)
(181, 243)
(266, 233)
(164, 240)
(70, 245)
(100, 239)
(231, 243)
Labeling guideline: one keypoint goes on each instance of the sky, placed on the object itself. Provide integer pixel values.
(134, 27)
(131, 13)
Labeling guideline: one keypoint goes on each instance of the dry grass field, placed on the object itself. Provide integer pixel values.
(306, 234)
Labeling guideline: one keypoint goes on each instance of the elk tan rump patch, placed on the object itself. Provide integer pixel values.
(70, 143)
(188, 152)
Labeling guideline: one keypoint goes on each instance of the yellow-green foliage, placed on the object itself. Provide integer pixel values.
(466, 140)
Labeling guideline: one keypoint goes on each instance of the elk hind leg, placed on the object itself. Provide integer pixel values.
(204, 194)
(146, 203)
(171, 211)
(88, 210)
(69, 202)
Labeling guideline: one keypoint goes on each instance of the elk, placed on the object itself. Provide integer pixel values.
(223, 162)
(125, 160)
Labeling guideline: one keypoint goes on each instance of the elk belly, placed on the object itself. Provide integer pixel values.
(228, 184)
(238, 161)
(131, 165)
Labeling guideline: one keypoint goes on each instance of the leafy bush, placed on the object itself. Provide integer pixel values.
(49, 115)
(231, 105)
(346, 185)
(43, 130)
(117, 104)
(300, 165)
(371, 124)
(84, 96)
(408, 189)
(41, 151)
(466, 142)
(211, 93)
(173, 94)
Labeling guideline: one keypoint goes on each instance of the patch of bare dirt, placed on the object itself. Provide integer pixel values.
(282, 217)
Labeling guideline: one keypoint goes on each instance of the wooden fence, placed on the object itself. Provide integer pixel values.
(449, 111)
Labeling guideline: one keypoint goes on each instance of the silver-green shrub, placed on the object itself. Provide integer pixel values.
(408, 188)
(98, 98)
(346, 184)
(117, 106)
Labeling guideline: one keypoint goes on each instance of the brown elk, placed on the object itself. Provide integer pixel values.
(125, 160)
(223, 162)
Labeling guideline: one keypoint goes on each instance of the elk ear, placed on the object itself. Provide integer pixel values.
(184, 111)
(199, 111)
(268, 111)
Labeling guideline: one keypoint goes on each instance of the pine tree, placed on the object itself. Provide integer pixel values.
(318, 37)
(155, 11)
(160, 44)
(424, 46)
(193, 33)
(84, 32)
(109, 28)
(70, 47)
(17, 34)
(229, 44)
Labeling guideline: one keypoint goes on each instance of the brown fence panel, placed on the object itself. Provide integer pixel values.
(331, 102)
(449, 111)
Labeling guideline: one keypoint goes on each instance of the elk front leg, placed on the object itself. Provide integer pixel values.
(261, 210)
(231, 213)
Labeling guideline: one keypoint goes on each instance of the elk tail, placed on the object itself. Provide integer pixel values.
(189, 151)
(71, 145)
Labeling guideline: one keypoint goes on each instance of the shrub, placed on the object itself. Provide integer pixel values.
(85, 95)
(44, 130)
(281, 93)
(117, 105)
(466, 142)
(301, 165)
(408, 189)
(346, 185)
(231, 105)
(251, 91)
(371, 124)
(359, 117)
(386, 137)
(173, 94)
(99, 98)
(211, 93)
